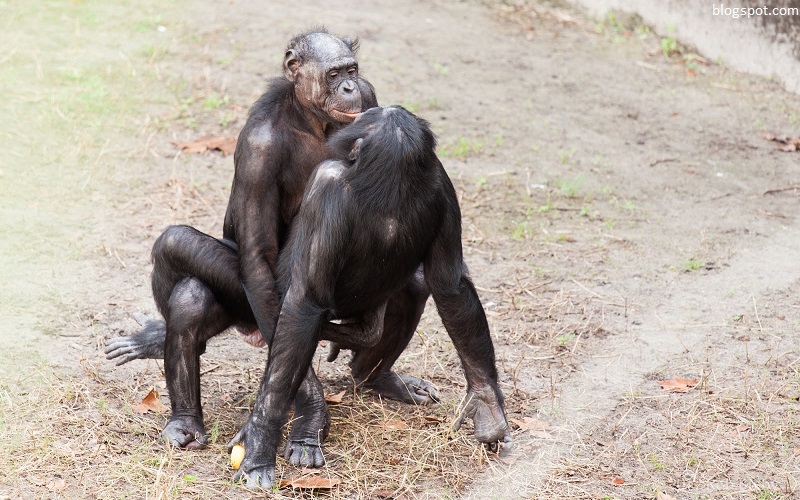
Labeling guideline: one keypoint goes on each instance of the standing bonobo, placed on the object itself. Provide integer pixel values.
(367, 222)
(203, 285)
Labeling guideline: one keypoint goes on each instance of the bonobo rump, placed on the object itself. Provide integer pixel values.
(370, 218)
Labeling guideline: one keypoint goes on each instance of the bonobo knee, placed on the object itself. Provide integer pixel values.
(173, 239)
(188, 304)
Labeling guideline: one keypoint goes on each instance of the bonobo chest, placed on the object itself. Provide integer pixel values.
(304, 158)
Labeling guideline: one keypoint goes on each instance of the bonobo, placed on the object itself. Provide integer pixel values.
(203, 285)
(369, 218)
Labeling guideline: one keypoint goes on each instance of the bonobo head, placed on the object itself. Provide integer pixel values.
(388, 136)
(324, 71)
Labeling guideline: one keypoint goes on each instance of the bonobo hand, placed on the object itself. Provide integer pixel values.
(257, 469)
(145, 344)
(485, 408)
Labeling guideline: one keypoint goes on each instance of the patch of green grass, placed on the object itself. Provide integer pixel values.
(657, 465)
(571, 188)
(462, 148)
(441, 68)
(670, 45)
(693, 264)
(565, 155)
(521, 231)
(565, 339)
(215, 101)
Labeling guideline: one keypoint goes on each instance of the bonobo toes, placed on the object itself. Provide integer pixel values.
(485, 408)
(257, 469)
(304, 453)
(185, 432)
(403, 388)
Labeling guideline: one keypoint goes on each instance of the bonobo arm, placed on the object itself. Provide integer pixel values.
(254, 211)
(463, 317)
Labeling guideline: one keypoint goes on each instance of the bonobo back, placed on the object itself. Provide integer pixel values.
(377, 204)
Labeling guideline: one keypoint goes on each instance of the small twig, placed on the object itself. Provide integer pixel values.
(209, 370)
(647, 65)
(794, 187)
(590, 291)
(662, 160)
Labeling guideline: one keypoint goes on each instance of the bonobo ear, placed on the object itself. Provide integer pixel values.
(353, 156)
(291, 63)
(352, 43)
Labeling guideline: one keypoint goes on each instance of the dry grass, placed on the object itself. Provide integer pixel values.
(77, 436)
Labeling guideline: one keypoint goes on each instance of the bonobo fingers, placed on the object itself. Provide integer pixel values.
(185, 432)
(145, 344)
(403, 388)
(304, 453)
(485, 408)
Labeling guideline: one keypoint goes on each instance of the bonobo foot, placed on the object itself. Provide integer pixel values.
(402, 388)
(309, 429)
(146, 344)
(185, 432)
(257, 469)
(485, 408)
(306, 453)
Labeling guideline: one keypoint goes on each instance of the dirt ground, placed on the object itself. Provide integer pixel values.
(625, 223)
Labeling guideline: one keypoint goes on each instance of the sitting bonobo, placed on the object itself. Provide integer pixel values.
(371, 219)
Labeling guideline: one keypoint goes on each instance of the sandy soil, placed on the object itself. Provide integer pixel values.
(624, 221)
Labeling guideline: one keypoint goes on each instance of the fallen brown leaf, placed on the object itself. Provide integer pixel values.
(393, 425)
(790, 144)
(311, 483)
(150, 403)
(618, 481)
(433, 418)
(335, 399)
(226, 145)
(796, 451)
(538, 428)
(677, 385)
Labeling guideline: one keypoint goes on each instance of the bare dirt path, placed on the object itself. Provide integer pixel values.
(615, 222)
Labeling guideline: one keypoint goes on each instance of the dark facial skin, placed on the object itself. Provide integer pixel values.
(203, 285)
(370, 221)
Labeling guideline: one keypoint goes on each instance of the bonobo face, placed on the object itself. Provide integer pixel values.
(325, 73)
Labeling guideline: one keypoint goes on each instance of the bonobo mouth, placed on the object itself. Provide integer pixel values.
(341, 116)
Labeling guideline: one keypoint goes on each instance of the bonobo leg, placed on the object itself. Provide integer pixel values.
(372, 367)
(182, 250)
(465, 321)
(291, 352)
(311, 424)
(193, 317)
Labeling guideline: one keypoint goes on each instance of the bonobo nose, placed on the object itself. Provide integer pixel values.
(348, 86)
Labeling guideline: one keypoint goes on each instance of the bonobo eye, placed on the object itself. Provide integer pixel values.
(352, 71)
(333, 74)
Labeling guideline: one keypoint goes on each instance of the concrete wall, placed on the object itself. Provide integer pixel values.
(764, 45)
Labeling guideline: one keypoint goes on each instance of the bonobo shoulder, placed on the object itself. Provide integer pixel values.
(259, 137)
